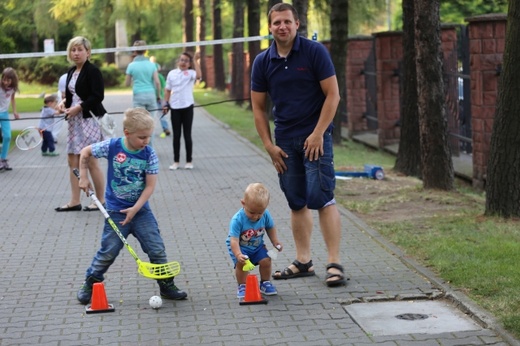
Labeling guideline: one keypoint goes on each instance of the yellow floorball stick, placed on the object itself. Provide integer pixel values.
(146, 269)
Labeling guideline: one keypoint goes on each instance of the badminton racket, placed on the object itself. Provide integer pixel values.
(32, 136)
(146, 269)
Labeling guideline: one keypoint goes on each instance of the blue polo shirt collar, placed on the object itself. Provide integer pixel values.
(273, 52)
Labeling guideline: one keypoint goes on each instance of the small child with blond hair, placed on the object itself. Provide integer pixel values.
(246, 238)
(132, 172)
(47, 119)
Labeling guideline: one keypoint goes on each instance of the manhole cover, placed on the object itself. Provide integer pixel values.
(406, 317)
(412, 317)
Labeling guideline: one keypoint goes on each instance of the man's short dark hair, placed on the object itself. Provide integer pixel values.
(280, 7)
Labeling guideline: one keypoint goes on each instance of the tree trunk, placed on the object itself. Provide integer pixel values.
(110, 41)
(218, 60)
(503, 180)
(189, 24)
(408, 159)
(437, 167)
(237, 73)
(253, 26)
(271, 3)
(338, 52)
(201, 23)
(302, 7)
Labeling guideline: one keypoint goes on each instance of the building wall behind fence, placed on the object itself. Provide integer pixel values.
(358, 51)
(487, 42)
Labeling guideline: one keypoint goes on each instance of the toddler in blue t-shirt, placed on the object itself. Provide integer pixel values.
(246, 238)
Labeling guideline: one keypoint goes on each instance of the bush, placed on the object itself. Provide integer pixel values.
(112, 76)
(26, 69)
(49, 70)
(44, 71)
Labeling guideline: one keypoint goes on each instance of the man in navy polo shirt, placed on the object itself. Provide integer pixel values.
(299, 76)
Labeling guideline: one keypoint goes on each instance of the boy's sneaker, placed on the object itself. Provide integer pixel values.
(174, 167)
(53, 153)
(85, 291)
(44, 153)
(241, 291)
(5, 166)
(268, 288)
(170, 291)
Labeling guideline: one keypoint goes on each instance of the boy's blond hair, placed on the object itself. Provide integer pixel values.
(137, 119)
(257, 193)
(77, 41)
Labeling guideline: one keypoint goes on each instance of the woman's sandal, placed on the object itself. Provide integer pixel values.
(340, 281)
(92, 207)
(67, 207)
(287, 273)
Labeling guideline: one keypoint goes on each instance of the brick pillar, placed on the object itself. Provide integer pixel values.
(209, 78)
(487, 41)
(359, 49)
(389, 54)
(247, 75)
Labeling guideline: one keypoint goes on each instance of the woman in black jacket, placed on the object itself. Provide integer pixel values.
(83, 96)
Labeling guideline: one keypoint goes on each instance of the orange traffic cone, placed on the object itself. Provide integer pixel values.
(253, 295)
(99, 300)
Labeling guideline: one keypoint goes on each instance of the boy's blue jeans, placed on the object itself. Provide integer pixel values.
(143, 226)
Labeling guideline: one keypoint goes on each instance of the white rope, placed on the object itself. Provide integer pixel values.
(131, 48)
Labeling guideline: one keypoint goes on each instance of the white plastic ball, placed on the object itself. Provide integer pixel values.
(155, 302)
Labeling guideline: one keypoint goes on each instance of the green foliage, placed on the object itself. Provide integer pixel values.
(456, 11)
(45, 71)
(112, 76)
(49, 70)
(26, 69)
(46, 25)
(97, 60)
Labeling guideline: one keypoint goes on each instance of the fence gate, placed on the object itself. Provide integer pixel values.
(369, 71)
(458, 92)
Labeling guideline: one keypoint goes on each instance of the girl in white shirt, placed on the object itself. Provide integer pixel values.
(178, 94)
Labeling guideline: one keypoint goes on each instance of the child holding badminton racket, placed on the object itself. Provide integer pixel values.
(246, 238)
(47, 120)
(132, 174)
(8, 87)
